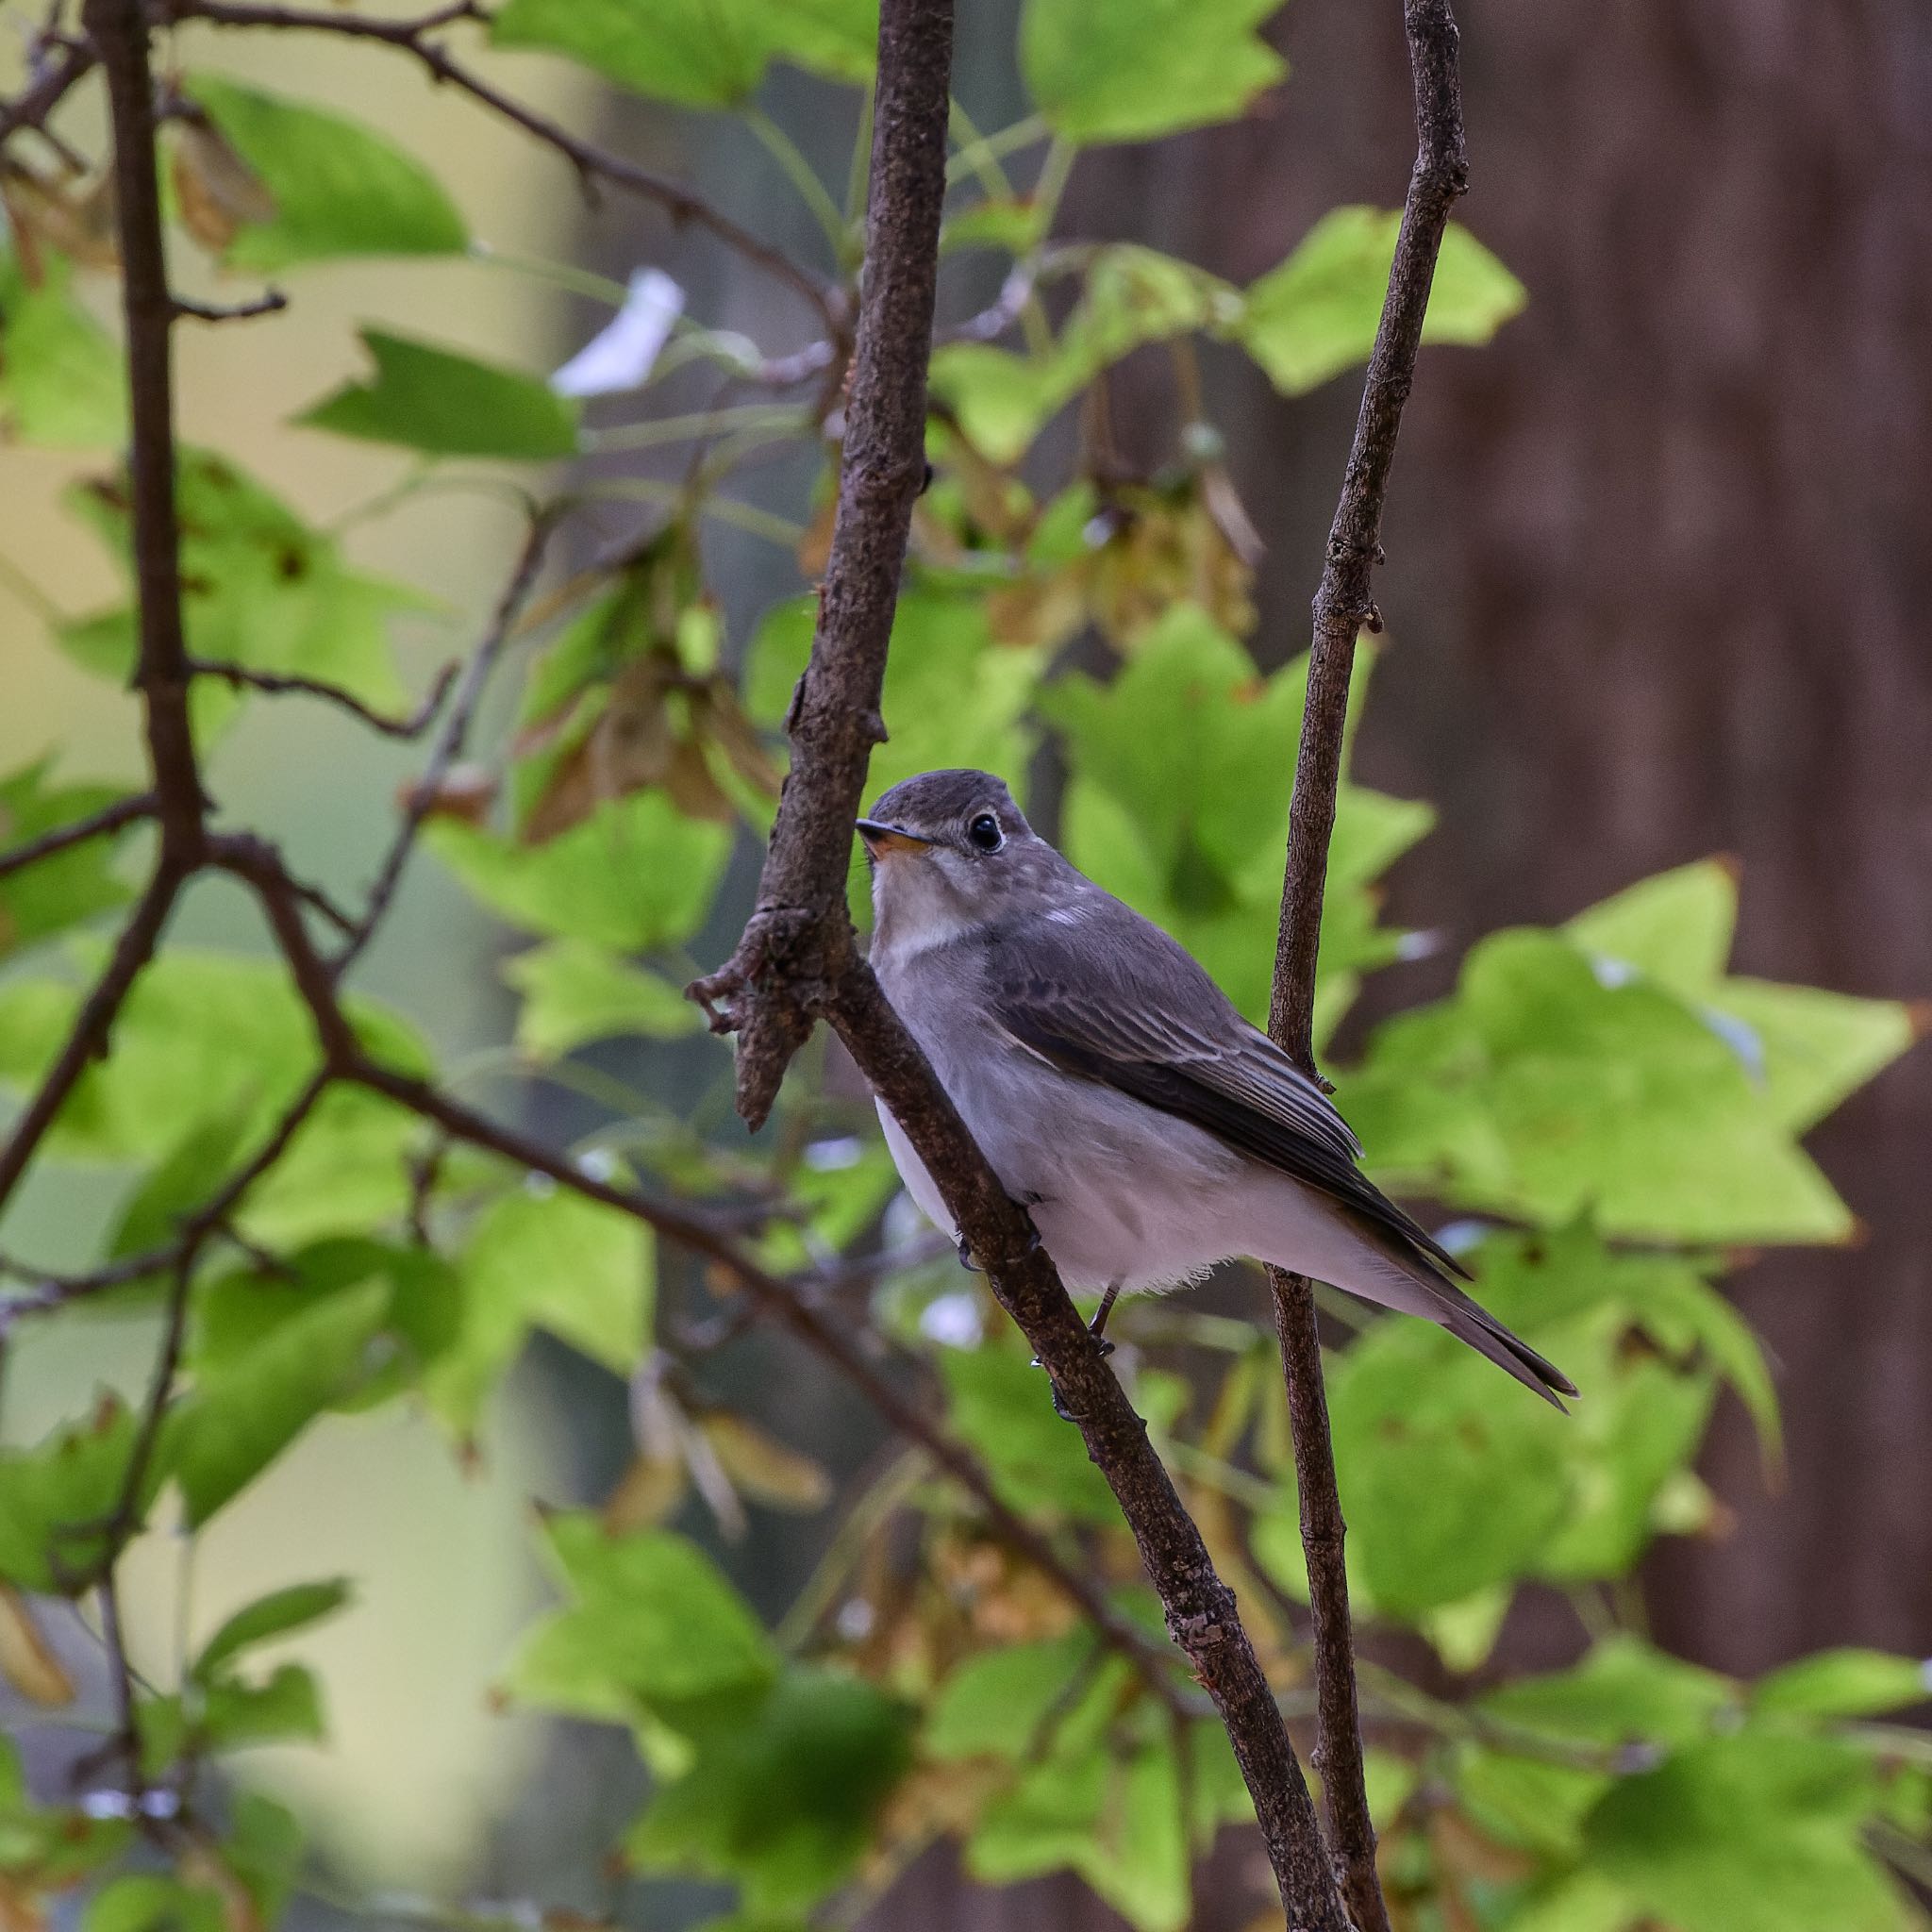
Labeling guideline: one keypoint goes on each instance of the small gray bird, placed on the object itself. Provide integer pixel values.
(1151, 1130)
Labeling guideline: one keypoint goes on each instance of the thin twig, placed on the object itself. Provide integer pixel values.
(270, 301)
(1342, 605)
(31, 107)
(593, 164)
(450, 741)
(798, 960)
(88, 1039)
(277, 683)
(799, 1313)
(111, 817)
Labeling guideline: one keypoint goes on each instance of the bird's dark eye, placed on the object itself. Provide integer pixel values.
(985, 832)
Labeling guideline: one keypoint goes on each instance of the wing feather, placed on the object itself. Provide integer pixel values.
(1126, 1006)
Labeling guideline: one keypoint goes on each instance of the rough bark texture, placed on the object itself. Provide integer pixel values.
(798, 962)
(1658, 565)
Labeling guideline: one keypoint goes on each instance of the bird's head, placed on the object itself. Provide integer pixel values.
(950, 851)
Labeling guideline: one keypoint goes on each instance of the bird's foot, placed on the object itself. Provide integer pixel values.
(966, 1260)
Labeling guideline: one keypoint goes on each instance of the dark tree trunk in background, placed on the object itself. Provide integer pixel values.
(1659, 570)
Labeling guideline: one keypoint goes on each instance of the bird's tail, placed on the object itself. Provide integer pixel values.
(1407, 1276)
(1376, 1251)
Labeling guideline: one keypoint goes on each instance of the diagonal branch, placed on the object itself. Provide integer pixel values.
(798, 960)
(343, 1057)
(593, 164)
(450, 740)
(1342, 605)
(111, 817)
(72, 62)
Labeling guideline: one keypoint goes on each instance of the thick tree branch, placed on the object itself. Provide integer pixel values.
(593, 164)
(798, 960)
(1342, 605)
(799, 941)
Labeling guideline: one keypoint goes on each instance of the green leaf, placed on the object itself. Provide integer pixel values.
(952, 695)
(263, 1850)
(57, 1497)
(146, 1901)
(784, 1802)
(1178, 804)
(1547, 1087)
(1844, 1683)
(1525, 1803)
(635, 874)
(61, 383)
(1808, 1048)
(1004, 1409)
(544, 1258)
(1450, 1480)
(238, 1314)
(449, 405)
(1751, 1833)
(698, 53)
(204, 1034)
(574, 992)
(339, 189)
(652, 1625)
(1675, 928)
(190, 1175)
(1623, 1692)
(347, 1169)
(1317, 313)
(996, 1703)
(1132, 296)
(277, 1614)
(1108, 1810)
(70, 887)
(1132, 68)
(1817, 1047)
(241, 1415)
(260, 588)
(285, 1708)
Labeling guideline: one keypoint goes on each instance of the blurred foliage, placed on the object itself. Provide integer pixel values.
(1609, 1111)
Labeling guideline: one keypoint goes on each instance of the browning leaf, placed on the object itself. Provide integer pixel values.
(217, 192)
(26, 1660)
(763, 1468)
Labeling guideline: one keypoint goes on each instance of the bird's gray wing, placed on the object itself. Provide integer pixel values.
(1111, 998)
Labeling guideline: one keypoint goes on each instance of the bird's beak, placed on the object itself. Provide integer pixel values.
(880, 840)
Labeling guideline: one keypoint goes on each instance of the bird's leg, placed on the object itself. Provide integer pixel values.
(1097, 1327)
(966, 1260)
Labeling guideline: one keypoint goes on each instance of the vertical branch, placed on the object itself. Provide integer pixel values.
(797, 961)
(162, 674)
(799, 939)
(119, 31)
(1342, 606)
